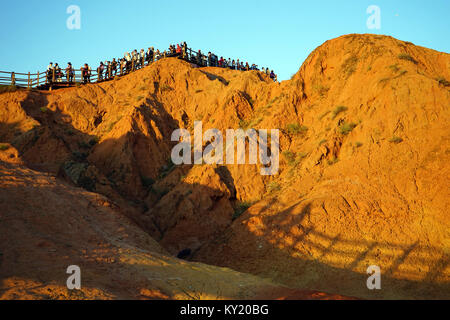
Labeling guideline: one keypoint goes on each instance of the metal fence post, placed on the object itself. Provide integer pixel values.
(13, 79)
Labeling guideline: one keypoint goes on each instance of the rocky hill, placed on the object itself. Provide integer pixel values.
(363, 176)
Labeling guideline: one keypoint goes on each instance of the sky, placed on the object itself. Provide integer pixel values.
(276, 34)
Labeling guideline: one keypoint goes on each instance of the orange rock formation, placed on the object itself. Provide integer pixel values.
(363, 181)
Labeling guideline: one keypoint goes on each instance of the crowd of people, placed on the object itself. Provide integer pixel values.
(138, 59)
(211, 60)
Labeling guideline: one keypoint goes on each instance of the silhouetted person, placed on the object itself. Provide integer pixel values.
(185, 50)
(58, 73)
(209, 59)
(69, 73)
(50, 69)
(85, 73)
(272, 76)
(113, 67)
(100, 69)
(142, 58)
(199, 58)
(149, 55)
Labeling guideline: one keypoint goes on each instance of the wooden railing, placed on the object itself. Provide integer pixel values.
(54, 78)
(28, 80)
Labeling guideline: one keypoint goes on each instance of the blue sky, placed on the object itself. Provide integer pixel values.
(275, 34)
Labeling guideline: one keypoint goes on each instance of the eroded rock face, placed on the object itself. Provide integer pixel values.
(363, 168)
(48, 226)
(196, 210)
(366, 185)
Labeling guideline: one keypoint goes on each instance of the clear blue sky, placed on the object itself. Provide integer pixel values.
(276, 34)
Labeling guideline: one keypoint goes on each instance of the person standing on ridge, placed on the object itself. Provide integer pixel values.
(150, 55)
(69, 73)
(134, 59)
(108, 70)
(50, 72)
(58, 73)
(209, 59)
(100, 69)
(185, 50)
(157, 54)
(124, 65)
(89, 73)
(272, 76)
(142, 58)
(85, 73)
(113, 67)
(128, 62)
(199, 58)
